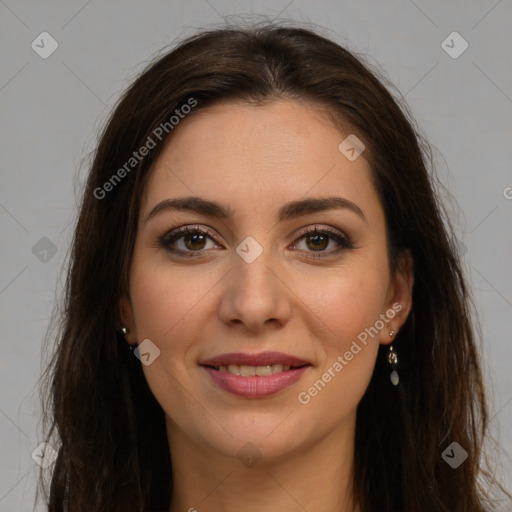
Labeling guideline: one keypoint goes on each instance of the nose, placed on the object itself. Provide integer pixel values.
(256, 297)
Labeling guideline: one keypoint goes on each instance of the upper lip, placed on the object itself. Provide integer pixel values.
(261, 359)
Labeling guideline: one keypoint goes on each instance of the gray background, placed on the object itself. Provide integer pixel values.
(52, 108)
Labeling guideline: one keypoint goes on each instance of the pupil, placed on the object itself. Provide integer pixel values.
(195, 240)
(318, 243)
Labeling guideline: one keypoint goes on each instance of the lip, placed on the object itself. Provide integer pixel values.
(255, 387)
(261, 359)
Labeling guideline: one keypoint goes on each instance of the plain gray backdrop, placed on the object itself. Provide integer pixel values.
(52, 107)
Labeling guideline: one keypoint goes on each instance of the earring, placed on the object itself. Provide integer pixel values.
(131, 347)
(393, 361)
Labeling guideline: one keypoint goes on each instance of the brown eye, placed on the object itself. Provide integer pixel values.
(194, 241)
(186, 240)
(318, 240)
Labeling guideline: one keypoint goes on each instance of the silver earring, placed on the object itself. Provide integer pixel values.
(393, 361)
(124, 331)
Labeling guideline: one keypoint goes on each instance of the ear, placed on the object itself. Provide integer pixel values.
(399, 296)
(126, 318)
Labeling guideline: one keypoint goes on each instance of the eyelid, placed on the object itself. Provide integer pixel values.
(343, 240)
(321, 229)
(183, 230)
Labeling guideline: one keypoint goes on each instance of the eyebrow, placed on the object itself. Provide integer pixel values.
(288, 211)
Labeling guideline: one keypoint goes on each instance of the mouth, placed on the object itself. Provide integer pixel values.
(255, 375)
(256, 371)
(267, 358)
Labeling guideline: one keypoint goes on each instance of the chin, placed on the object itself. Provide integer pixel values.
(258, 436)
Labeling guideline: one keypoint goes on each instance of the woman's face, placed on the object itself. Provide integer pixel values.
(213, 301)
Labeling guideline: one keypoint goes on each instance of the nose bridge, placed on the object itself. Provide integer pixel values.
(255, 292)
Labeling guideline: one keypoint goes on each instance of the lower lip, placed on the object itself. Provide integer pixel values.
(255, 387)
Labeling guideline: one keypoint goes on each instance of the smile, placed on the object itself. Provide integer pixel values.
(255, 375)
(253, 371)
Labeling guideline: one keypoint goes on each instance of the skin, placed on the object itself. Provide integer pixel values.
(254, 159)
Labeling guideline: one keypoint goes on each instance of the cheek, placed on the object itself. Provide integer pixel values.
(346, 322)
(164, 298)
(346, 301)
(169, 309)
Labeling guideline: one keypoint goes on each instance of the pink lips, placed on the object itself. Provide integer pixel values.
(255, 386)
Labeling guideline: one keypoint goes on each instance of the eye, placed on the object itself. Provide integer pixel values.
(317, 240)
(191, 240)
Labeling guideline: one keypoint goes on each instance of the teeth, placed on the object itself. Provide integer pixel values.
(276, 368)
(263, 371)
(247, 371)
(251, 371)
(234, 369)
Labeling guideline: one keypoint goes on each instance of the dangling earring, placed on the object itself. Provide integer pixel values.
(393, 361)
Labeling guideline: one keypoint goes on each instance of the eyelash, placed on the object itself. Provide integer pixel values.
(166, 241)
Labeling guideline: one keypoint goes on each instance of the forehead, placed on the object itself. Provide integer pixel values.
(257, 154)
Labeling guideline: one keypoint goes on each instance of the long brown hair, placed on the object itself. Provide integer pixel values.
(101, 416)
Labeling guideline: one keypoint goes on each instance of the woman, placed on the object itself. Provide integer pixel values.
(265, 309)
